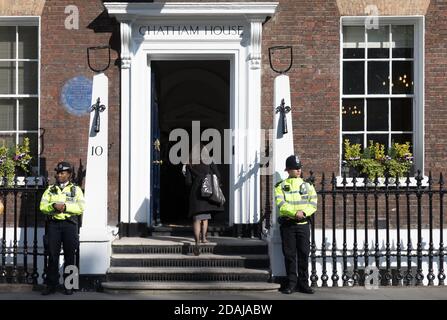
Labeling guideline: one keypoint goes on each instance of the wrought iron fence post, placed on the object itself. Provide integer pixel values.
(408, 274)
(334, 276)
(344, 276)
(441, 275)
(399, 275)
(313, 247)
(388, 276)
(376, 226)
(431, 275)
(366, 247)
(419, 275)
(3, 273)
(355, 275)
(35, 274)
(14, 273)
(25, 237)
(324, 276)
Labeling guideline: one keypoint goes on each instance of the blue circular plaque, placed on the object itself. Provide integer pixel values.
(76, 95)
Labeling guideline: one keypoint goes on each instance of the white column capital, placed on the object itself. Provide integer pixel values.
(126, 38)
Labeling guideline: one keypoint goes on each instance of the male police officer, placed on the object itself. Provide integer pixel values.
(296, 201)
(62, 202)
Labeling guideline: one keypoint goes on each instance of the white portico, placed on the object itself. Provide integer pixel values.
(191, 31)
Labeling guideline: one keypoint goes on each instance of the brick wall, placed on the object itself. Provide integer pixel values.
(311, 27)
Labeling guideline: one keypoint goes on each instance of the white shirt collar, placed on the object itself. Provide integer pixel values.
(63, 185)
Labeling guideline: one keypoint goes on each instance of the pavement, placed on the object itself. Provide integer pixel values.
(22, 292)
(348, 302)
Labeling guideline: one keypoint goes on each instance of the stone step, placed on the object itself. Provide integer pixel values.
(179, 260)
(186, 274)
(136, 287)
(185, 230)
(184, 245)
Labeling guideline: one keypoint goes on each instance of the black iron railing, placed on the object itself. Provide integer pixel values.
(381, 212)
(22, 227)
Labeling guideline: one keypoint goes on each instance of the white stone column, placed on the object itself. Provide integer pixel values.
(126, 36)
(94, 246)
(282, 148)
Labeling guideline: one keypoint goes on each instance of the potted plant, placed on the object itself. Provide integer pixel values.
(374, 162)
(13, 163)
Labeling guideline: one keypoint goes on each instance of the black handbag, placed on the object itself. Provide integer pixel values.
(217, 196)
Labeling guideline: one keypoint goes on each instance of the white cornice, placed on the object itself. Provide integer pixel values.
(123, 10)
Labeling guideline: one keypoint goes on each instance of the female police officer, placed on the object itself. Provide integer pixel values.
(62, 202)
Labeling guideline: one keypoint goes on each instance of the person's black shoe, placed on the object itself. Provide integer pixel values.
(307, 290)
(68, 292)
(288, 290)
(48, 290)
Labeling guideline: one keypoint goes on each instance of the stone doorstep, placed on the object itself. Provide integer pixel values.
(148, 256)
(129, 286)
(176, 270)
(181, 241)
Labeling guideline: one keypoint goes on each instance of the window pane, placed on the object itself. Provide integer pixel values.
(378, 42)
(28, 77)
(7, 114)
(378, 138)
(403, 138)
(28, 114)
(353, 115)
(403, 77)
(401, 115)
(377, 114)
(403, 41)
(353, 139)
(353, 42)
(32, 145)
(353, 77)
(7, 139)
(28, 43)
(378, 77)
(7, 42)
(7, 78)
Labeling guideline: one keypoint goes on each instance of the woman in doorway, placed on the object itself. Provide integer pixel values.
(200, 208)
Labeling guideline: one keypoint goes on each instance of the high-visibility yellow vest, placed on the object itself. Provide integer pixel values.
(71, 196)
(294, 194)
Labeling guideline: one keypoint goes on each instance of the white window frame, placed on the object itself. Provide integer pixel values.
(419, 83)
(23, 21)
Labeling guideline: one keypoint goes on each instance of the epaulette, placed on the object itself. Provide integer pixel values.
(278, 183)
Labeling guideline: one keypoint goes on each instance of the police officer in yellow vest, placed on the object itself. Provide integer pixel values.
(62, 202)
(296, 201)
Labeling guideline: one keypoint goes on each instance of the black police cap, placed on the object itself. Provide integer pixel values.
(63, 166)
(293, 162)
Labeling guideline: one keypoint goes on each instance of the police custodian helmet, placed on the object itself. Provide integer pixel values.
(63, 166)
(293, 162)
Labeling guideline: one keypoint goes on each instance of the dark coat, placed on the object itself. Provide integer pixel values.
(193, 178)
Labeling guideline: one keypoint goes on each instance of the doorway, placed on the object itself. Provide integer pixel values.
(187, 91)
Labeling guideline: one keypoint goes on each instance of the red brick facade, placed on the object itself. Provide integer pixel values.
(311, 27)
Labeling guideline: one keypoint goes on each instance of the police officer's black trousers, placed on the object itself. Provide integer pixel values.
(65, 233)
(295, 244)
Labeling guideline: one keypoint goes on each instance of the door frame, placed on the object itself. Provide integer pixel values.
(227, 158)
(244, 48)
